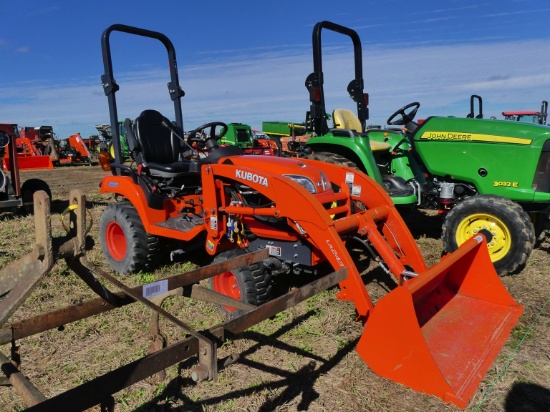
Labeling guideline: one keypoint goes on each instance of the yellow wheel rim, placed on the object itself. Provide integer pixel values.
(112, 150)
(499, 239)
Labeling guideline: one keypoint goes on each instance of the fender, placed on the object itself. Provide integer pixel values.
(124, 186)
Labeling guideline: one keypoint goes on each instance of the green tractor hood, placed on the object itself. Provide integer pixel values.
(512, 159)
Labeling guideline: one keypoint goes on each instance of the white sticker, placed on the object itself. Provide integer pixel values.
(156, 288)
(350, 177)
(210, 245)
(356, 190)
(274, 250)
(214, 223)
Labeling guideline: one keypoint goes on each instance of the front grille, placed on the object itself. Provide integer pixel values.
(541, 182)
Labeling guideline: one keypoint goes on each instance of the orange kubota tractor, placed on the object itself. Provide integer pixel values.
(437, 332)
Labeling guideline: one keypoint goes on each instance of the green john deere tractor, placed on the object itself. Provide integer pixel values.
(488, 176)
(105, 132)
(241, 135)
(238, 134)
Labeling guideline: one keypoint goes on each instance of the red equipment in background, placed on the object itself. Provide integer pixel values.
(13, 194)
(33, 146)
(72, 151)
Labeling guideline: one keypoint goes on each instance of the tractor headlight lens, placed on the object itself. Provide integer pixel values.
(324, 183)
(303, 181)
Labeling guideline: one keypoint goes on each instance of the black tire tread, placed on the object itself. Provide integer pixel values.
(520, 227)
(255, 277)
(143, 247)
(29, 188)
(332, 158)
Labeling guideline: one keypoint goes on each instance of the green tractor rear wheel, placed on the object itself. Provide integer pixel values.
(509, 232)
(333, 158)
(338, 160)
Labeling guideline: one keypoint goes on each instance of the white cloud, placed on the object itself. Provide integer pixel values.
(508, 76)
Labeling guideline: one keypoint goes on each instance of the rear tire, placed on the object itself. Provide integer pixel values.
(338, 160)
(127, 247)
(278, 145)
(507, 227)
(541, 222)
(333, 158)
(249, 284)
(29, 188)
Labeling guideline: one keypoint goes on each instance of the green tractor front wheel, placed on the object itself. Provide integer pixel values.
(506, 226)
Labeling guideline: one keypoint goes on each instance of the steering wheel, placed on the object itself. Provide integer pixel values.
(4, 139)
(207, 138)
(406, 117)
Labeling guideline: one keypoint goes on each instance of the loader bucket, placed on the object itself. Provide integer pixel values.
(440, 332)
(34, 162)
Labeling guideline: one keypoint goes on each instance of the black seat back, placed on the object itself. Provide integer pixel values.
(155, 142)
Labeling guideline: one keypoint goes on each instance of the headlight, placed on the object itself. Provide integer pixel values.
(324, 183)
(303, 181)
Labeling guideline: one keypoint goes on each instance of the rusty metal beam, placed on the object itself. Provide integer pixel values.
(60, 317)
(101, 388)
(20, 278)
(24, 388)
(136, 296)
(208, 295)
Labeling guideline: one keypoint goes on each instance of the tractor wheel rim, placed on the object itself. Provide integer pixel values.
(499, 239)
(116, 241)
(226, 284)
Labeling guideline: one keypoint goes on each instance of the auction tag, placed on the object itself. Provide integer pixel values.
(151, 290)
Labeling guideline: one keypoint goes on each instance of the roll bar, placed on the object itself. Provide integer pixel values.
(110, 87)
(314, 82)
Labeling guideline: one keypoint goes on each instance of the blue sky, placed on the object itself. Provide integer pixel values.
(247, 61)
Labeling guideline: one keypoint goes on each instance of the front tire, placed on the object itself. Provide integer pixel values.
(507, 227)
(127, 247)
(249, 284)
(28, 189)
(541, 223)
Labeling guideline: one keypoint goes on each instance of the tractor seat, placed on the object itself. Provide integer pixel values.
(346, 119)
(156, 147)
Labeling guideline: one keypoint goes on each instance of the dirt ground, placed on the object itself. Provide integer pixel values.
(303, 359)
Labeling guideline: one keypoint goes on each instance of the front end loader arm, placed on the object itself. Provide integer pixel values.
(313, 222)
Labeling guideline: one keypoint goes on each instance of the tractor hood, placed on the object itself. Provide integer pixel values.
(303, 173)
(452, 129)
(488, 153)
